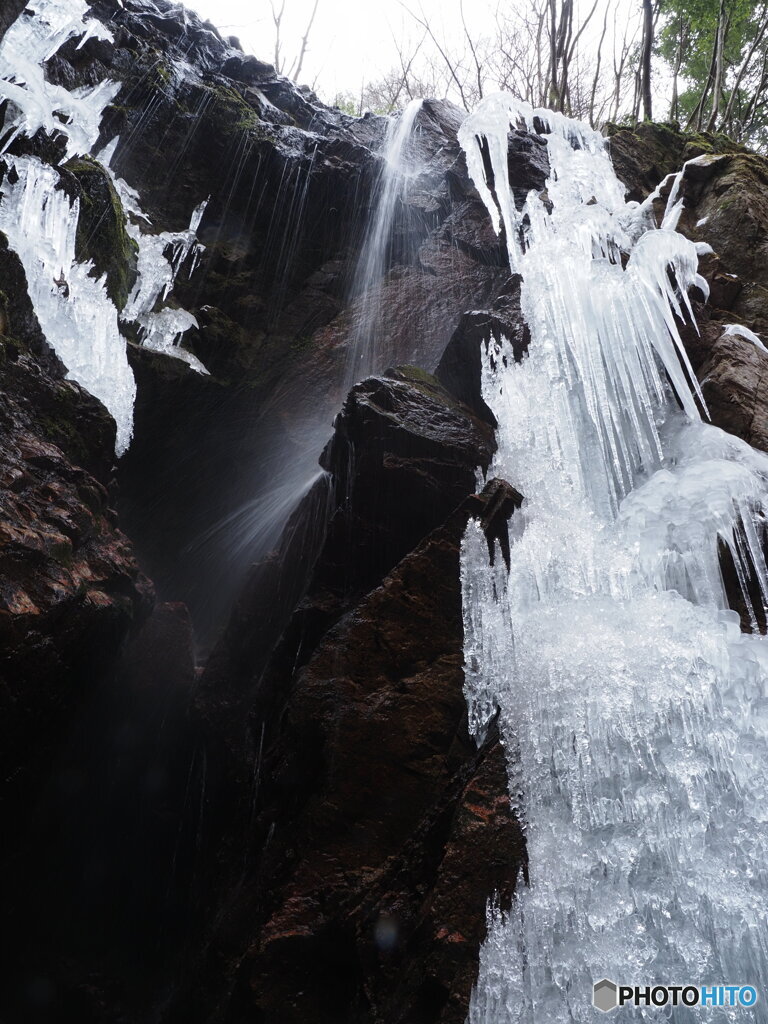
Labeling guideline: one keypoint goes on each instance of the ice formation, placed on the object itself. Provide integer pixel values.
(161, 258)
(76, 315)
(632, 706)
(744, 332)
(35, 36)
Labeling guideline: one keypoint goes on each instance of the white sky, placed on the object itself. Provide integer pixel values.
(351, 40)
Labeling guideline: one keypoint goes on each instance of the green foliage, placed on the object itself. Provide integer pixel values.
(687, 42)
(346, 103)
(101, 228)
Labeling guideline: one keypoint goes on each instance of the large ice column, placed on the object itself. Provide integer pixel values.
(76, 315)
(634, 702)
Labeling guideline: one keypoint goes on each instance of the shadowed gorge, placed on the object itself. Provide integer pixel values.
(383, 580)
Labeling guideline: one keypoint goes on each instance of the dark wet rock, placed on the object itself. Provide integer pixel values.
(9, 12)
(460, 367)
(339, 683)
(379, 830)
(734, 378)
(403, 456)
(106, 872)
(71, 588)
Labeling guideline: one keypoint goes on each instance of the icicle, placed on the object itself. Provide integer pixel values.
(160, 330)
(35, 102)
(77, 316)
(621, 677)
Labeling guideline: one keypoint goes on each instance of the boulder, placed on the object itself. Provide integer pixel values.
(644, 155)
(459, 369)
(379, 830)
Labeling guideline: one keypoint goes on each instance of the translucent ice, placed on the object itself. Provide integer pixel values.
(76, 315)
(35, 102)
(161, 258)
(744, 332)
(633, 703)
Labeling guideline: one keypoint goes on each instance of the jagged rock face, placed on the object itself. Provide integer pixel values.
(366, 902)
(70, 587)
(643, 156)
(291, 185)
(725, 206)
(388, 831)
(404, 455)
(402, 830)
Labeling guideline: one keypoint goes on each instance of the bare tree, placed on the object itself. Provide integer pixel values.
(645, 59)
(540, 50)
(294, 70)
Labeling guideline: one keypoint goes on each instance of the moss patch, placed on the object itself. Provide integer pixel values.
(101, 230)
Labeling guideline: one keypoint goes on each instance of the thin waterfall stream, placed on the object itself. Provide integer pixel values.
(255, 527)
(632, 706)
(372, 265)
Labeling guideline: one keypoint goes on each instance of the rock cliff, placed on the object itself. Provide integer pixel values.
(288, 822)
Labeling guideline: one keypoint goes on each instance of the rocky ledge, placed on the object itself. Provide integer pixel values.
(360, 865)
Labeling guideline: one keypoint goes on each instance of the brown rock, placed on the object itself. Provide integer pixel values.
(388, 831)
(70, 587)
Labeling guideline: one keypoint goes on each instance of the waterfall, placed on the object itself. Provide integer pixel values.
(632, 707)
(374, 255)
(256, 526)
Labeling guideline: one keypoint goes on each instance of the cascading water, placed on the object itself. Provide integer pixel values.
(255, 527)
(372, 265)
(632, 706)
(76, 314)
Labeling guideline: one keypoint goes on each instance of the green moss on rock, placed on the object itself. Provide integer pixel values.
(102, 236)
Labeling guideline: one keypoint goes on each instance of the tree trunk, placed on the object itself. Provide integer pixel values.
(646, 58)
(719, 66)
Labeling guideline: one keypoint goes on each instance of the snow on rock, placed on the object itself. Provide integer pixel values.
(744, 332)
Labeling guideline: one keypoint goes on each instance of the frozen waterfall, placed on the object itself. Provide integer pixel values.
(633, 708)
(77, 316)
